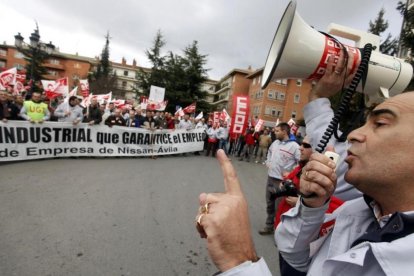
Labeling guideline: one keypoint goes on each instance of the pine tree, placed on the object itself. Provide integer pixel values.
(388, 46)
(35, 58)
(156, 75)
(181, 76)
(196, 74)
(407, 35)
(103, 79)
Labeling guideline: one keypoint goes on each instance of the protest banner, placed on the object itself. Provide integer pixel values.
(21, 140)
(240, 114)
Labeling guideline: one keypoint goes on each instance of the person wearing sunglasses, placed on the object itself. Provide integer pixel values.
(287, 202)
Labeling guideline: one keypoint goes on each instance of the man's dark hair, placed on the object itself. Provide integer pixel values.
(284, 127)
(72, 98)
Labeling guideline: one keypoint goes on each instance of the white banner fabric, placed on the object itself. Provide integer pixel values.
(21, 140)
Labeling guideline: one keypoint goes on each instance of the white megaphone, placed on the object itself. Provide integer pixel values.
(300, 52)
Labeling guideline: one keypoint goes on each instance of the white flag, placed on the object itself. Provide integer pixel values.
(86, 101)
(258, 125)
(199, 116)
(277, 122)
(71, 93)
(180, 112)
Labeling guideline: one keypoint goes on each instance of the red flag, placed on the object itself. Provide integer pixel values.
(8, 78)
(84, 87)
(216, 117)
(240, 116)
(190, 109)
(19, 85)
(56, 88)
(258, 125)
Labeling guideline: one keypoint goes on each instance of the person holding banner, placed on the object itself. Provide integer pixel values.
(8, 110)
(94, 114)
(35, 110)
(115, 119)
(69, 111)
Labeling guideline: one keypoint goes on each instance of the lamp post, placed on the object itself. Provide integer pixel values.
(36, 51)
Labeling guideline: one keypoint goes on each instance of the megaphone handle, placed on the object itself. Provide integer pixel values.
(343, 107)
(346, 99)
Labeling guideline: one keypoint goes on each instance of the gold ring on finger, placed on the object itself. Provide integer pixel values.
(204, 208)
(199, 219)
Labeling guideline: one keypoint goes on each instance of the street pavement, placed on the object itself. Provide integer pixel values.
(116, 216)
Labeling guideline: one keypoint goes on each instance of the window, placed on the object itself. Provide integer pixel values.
(267, 110)
(256, 110)
(280, 96)
(75, 77)
(54, 61)
(52, 72)
(293, 115)
(258, 81)
(274, 112)
(124, 84)
(18, 66)
(271, 94)
(125, 73)
(279, 113)
(296, 98)
(18, 55)
(76, 65)
(282, 82)
(2, 64)
(254, 81)
(298, 82)
(3, 52)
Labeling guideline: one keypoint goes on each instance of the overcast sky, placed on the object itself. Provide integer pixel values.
(233, 33)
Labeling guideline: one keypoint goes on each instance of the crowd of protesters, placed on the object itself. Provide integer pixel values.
(248, 146)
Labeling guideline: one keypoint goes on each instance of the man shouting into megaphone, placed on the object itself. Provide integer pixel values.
(370, 235)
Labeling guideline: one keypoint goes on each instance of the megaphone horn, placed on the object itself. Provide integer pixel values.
(300, 52)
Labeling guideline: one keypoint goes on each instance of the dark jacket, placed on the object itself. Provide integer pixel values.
(112, 120)
(95, 114)
(13, 111)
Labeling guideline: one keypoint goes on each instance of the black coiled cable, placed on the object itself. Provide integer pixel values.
(346, 99)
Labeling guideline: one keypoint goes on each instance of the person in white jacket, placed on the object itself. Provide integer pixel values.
(372, 235)
(69, 111)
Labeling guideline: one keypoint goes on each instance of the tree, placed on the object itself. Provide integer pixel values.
(407, 35)
(388, 46)
(35, 58)
(181, 76)
(194, 64)
(103, 80)
(156, 76)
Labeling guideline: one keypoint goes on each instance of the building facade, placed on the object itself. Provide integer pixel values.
(58, 65)
(233, 84)
(283, 99)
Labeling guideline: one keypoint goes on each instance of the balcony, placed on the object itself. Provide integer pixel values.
(220, 91)
(54, 66)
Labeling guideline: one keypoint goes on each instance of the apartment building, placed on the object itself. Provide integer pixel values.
(283, 99)
(127, 83)
(232, 84)
(58, 65)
